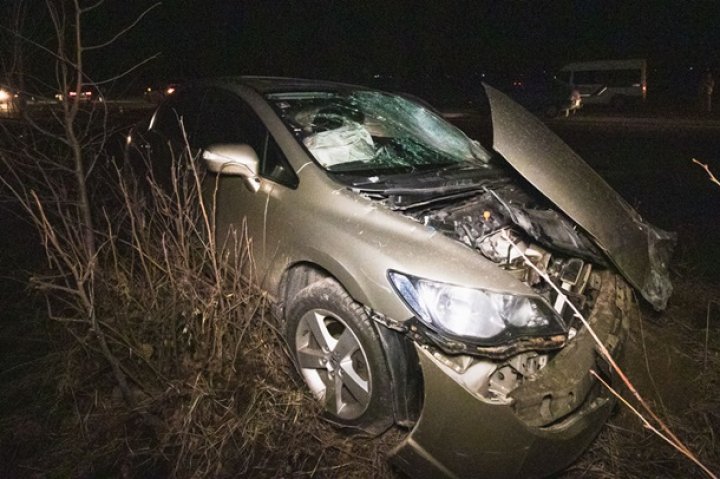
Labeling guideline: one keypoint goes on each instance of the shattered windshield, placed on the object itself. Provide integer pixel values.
(369, 130)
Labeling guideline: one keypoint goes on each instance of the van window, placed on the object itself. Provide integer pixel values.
(563, 76)
(623, 78)
(610, 78)
(587, 77)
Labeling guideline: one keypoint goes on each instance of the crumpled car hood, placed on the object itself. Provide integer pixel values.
(640, 251)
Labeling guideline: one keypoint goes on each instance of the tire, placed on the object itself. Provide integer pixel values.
(338, 353)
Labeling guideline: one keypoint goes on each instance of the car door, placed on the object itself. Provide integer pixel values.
(226, 119)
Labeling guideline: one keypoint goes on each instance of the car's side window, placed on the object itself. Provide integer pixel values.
(226, 119)
(178, 113)
(276, 166)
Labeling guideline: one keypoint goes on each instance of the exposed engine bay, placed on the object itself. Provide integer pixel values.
(512, 229)
(507, 227)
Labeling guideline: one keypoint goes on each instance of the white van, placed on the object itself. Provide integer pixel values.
(608, 82)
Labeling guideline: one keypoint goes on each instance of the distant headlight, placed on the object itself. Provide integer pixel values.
(476, 315)
(4, 95)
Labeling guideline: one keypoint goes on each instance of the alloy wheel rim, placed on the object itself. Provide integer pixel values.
(333, 363)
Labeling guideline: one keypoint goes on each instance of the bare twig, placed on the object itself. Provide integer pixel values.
(652, 428)
(676, 442)
(127, 71)
(122, 32)
(707, 333)
(705, 167)
(647, 366)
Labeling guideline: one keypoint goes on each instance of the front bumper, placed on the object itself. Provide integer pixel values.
(551, 421)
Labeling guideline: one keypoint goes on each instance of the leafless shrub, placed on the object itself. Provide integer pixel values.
(214, 365)
(208, 389)
(168, 362)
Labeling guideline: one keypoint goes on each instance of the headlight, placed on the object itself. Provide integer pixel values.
(479, 316)
(4, 95)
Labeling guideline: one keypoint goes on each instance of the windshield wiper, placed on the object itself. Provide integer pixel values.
(405, 198)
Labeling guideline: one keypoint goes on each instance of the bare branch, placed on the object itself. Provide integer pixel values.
(677, 443)
(646, 423)
(128, 71)
(123, 31)
(40, 46)
(707, 170)
(92, 7)
(45, 131)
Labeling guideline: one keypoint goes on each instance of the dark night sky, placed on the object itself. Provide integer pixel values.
(207, 37)
(351, 40)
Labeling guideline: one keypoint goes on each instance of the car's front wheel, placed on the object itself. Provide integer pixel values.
(339, 355)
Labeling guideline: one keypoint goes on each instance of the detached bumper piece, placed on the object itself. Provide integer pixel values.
(549, 423)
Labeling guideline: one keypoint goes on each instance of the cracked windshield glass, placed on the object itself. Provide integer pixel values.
(367, 130)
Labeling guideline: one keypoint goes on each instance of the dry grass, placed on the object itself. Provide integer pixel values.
(210, 390)
(215, 395)
(667, 358)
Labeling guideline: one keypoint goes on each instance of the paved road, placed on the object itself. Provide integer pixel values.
(638, 122)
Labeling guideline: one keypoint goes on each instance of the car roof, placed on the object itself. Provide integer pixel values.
(269, 84)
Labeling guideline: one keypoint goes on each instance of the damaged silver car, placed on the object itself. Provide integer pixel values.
(409, 264)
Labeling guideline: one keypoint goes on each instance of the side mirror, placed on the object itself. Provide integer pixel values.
(234, 160)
